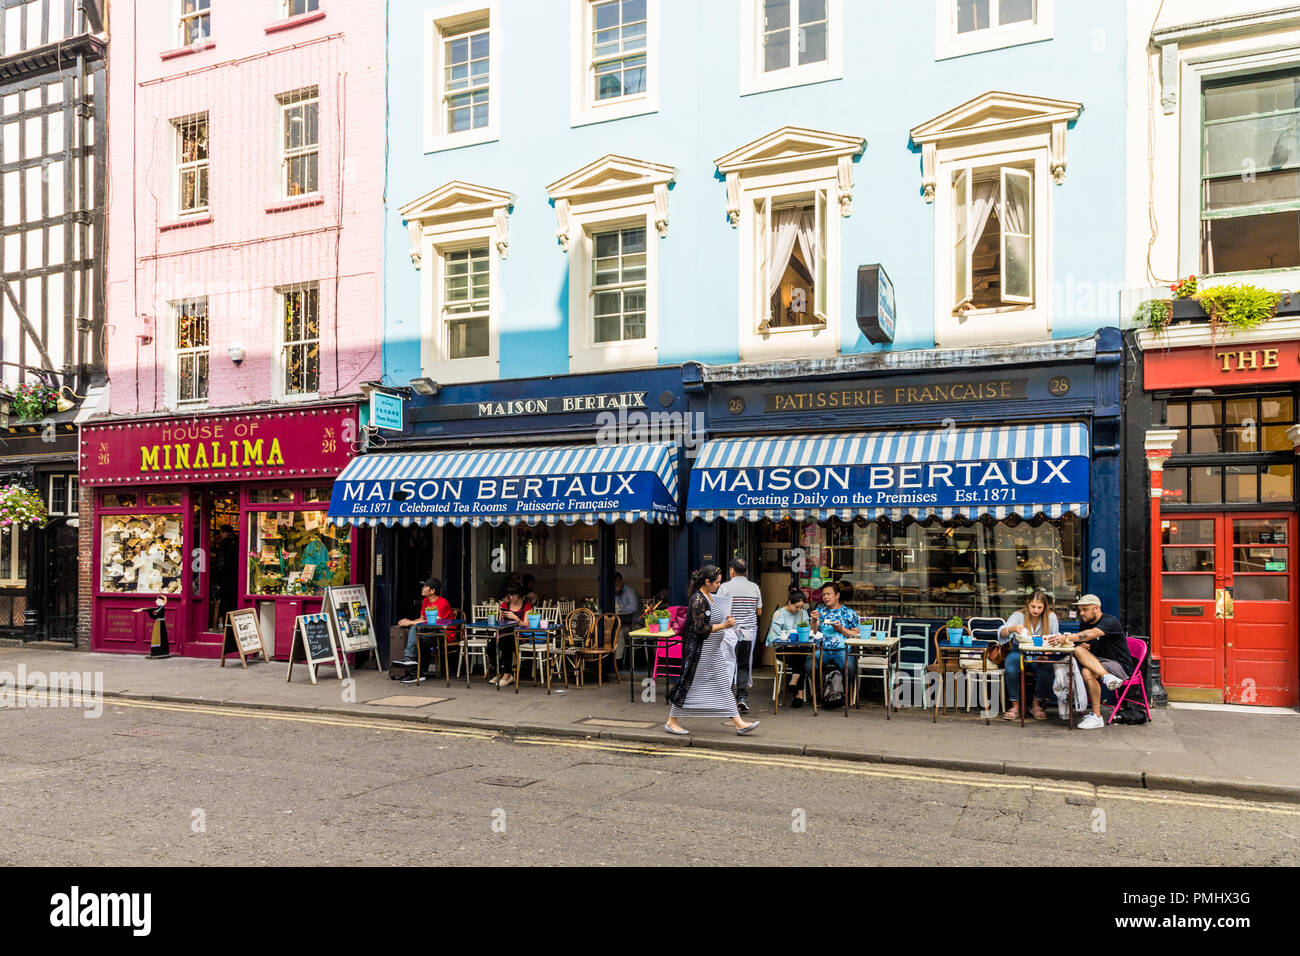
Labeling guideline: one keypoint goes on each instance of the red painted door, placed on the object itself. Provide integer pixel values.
(1260, 632)
(1228, 607)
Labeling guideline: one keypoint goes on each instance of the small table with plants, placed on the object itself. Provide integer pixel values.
(657, 629)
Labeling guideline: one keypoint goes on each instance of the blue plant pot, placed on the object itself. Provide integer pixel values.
(954, 635)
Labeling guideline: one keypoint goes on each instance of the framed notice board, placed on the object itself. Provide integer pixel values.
(243, 636)
(349, 612)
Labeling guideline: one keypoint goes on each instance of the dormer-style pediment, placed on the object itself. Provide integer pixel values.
(992, 116)
(789, 145)
(458, 205)
(611, 180)
(788, 148)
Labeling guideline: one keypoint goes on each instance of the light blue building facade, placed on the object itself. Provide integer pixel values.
(580, 187)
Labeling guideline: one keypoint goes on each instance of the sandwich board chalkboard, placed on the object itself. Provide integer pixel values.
(243, 636)
(313, 644)
(349, 613)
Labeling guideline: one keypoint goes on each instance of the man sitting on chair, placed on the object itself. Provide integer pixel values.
(431, 599)
(1101, 652)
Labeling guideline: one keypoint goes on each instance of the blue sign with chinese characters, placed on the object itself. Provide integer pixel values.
(386, 410)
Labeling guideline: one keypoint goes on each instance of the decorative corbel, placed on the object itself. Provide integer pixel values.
(845, 177)
(1056, 156)
(562, 222)
(733, 198)
(661, 209)
(416, 231)
(928, 180)
(501, 221)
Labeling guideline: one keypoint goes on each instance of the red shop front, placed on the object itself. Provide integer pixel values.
(216, 512)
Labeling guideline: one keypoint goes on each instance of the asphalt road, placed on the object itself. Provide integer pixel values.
(156, 783)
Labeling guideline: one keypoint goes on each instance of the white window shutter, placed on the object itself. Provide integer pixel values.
(1017, 215)
(961, 239)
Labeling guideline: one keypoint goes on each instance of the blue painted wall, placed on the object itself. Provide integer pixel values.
(891, 83)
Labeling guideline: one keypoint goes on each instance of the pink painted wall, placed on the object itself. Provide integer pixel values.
(245, 252)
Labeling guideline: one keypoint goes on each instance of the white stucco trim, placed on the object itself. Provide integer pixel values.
(949, 43)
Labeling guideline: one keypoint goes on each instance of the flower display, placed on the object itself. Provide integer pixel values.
(21, 506)
(32, 399)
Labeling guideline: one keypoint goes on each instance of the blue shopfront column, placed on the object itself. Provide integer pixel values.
(1102, 560)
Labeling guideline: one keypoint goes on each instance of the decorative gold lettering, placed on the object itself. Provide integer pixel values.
(1270, 358)
(149, 458)
(1227, 358)
(252, 452)
(274, 456)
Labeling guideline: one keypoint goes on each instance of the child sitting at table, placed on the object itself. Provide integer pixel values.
(785, 627)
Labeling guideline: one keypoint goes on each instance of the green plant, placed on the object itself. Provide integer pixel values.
(651, 617)
(1184, 288)
(1239, 306)
(1153, 314)
(956, 622)
(32, 399)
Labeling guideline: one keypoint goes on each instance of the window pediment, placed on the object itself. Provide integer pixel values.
(610, 179)
(992, 116)
(791, 147)
(460, 203)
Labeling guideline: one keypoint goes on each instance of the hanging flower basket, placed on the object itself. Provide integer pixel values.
(21, 506)
(31, 400)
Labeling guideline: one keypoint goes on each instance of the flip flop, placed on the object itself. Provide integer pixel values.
(1008, 715)
(1038, 714)
(744, 730)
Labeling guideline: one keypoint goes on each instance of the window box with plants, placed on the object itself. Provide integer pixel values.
(31, 400)
(1235, 307)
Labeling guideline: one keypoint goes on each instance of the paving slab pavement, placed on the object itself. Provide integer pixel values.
(1252, 755)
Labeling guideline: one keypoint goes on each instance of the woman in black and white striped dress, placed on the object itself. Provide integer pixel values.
(708, 659)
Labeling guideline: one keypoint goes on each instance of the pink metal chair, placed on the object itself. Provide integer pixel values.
(1138, 651)
(665, 651)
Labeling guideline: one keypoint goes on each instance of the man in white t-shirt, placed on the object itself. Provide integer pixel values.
(746, 606)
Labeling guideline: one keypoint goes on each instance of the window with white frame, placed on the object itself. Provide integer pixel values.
(786, 194)
(611, 214)
(618, 277)
(195, 21)
(1250, 173)
(300, 331)
(300, 139)
(993, 237)
(464, 94)
(191, 350)
(459, 236)
(191, 162)
(791, 240)
(616, 66)
(790, 43)
(973, 26)
(63, 492)
(296, 8)
(13, 557)
(467, 302)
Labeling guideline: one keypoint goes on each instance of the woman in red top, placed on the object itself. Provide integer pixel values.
(514, 609)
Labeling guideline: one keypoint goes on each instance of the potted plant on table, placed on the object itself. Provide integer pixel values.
(956, 628)
(651, 621)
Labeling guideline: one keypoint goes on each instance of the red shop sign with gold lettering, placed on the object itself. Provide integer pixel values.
(300, 443)
(1224, 364)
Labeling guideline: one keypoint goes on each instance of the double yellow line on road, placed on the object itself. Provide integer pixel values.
(815, 764)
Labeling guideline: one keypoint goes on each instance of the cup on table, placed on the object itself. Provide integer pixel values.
(881, 635)
(1038, 640)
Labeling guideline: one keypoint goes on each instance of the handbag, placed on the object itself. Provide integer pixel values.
(997, 653)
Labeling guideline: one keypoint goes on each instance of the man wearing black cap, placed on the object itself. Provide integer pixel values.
(1101, 651)
(431, 599)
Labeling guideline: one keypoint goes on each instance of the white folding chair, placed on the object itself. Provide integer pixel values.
(476, 647)
(879, 666)
(974, 665)
(548, 613)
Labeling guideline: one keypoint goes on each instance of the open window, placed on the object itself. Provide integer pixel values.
(791, 260)
(993, 238)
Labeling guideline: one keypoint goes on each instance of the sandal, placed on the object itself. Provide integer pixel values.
(1037, 712)
(1012, 712)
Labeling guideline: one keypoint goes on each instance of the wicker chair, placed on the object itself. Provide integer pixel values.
(579, 627)
(600, 643)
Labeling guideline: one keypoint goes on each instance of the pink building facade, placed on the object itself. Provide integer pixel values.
(245, 212)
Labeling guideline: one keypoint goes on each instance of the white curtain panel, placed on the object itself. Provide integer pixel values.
(982, 203)
(789, 226)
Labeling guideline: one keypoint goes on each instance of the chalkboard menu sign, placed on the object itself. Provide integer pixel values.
(243, 636)
(313, 644)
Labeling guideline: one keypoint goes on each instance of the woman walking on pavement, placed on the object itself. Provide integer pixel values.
(708, 658)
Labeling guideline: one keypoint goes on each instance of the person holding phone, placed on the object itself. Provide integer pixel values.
(1035, 619)
(514, 610)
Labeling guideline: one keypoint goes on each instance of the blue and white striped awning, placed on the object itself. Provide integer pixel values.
(568, 484)
(1025, 470)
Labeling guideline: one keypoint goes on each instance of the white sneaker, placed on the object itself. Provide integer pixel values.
(1112, 682)
(1091, 722)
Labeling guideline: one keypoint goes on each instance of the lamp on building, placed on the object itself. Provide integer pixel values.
(4, 408)
(67, 400)
(236, 353)
(424, 386)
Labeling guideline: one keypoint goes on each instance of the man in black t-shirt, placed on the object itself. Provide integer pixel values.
(1101, 651)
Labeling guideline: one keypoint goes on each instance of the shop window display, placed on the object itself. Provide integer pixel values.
(297, 552)
(935, 569)
(141, 554)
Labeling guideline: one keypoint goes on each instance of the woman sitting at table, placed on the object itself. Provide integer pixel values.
(1034, 619)
(843, 622)
(514, 610)
(785, 627)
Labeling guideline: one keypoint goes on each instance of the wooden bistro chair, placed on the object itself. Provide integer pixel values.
(599, 644)
(578, 627)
